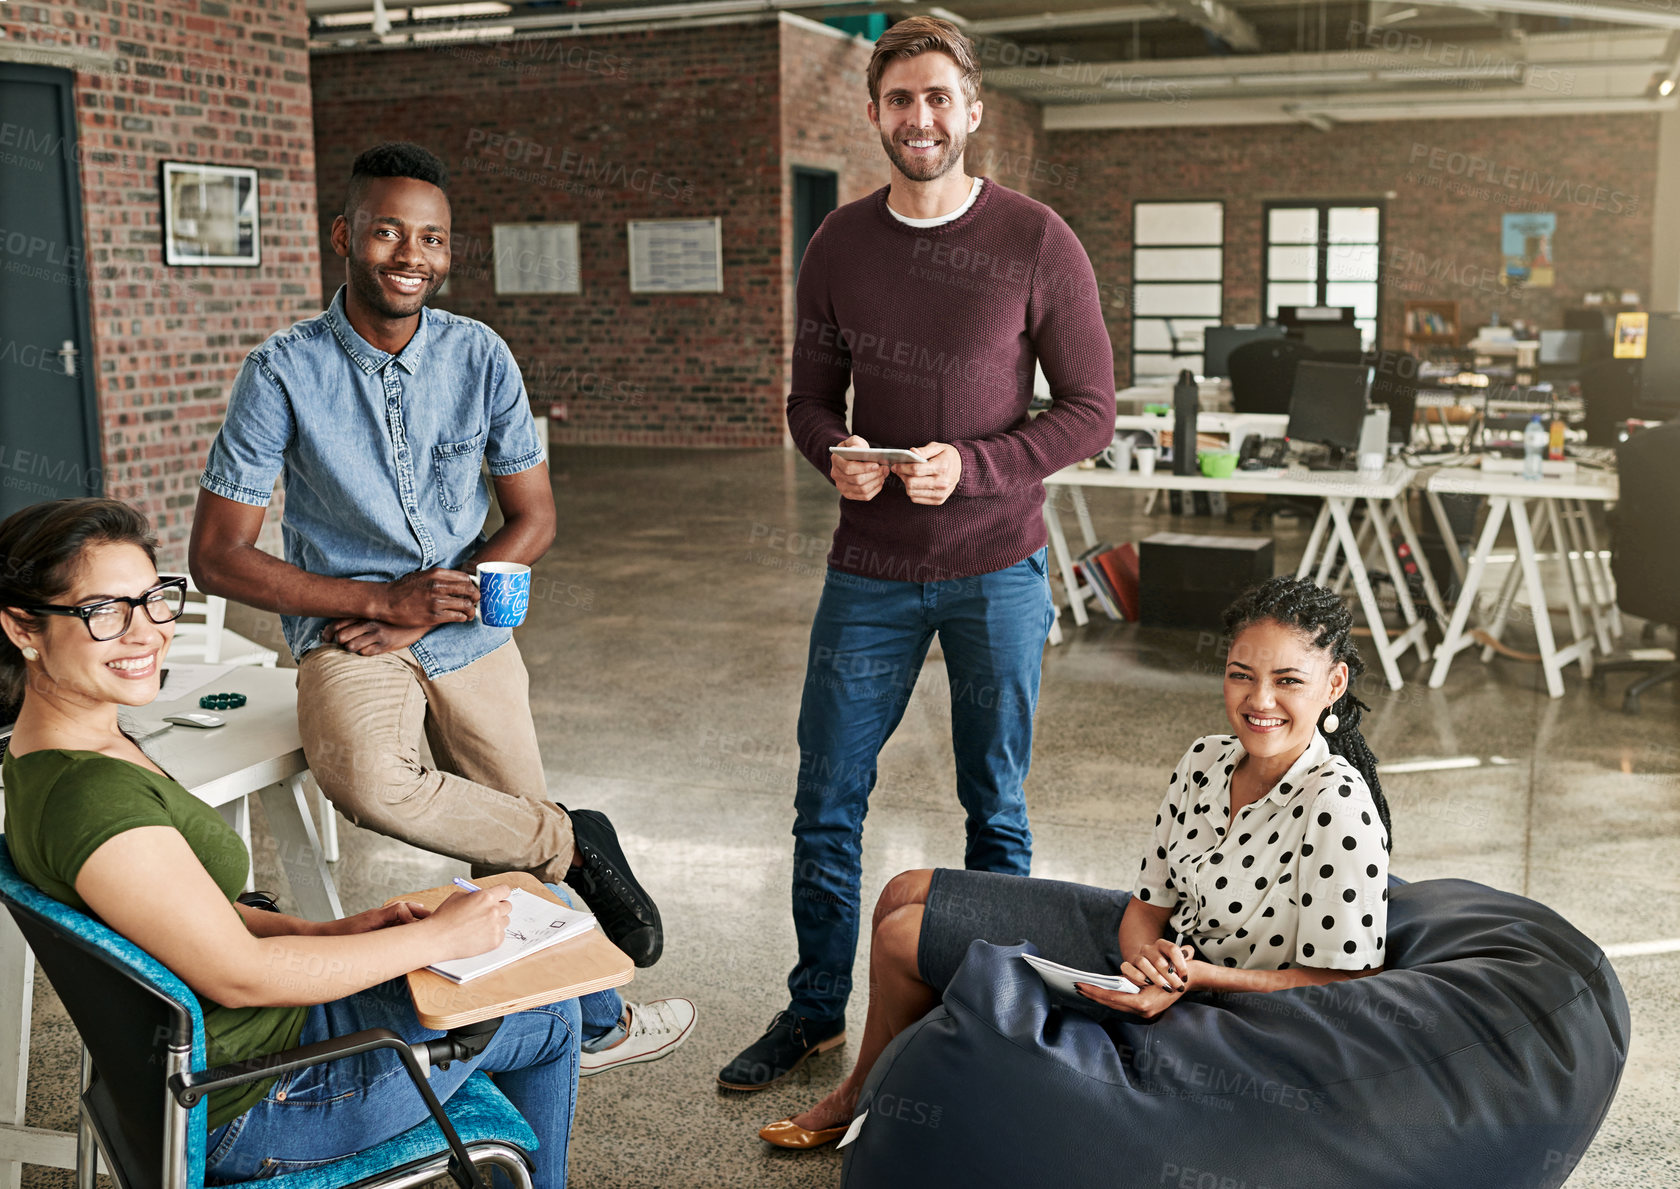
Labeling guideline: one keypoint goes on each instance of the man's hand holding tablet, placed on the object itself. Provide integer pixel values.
(929, 472)
(857, 478)
(932, 479)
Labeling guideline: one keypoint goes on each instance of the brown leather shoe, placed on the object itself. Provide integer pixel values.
(784, 1133)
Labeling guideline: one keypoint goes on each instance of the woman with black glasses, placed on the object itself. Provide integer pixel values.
(90, 818)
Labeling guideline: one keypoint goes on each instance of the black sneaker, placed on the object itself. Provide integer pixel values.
(782, 1049)
(627, 913)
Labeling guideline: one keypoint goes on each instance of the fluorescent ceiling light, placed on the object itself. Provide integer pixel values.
(338, 19)
(456, 12)
(429, 12)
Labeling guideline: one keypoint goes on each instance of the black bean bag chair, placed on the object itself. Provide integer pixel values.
(1485, 1055)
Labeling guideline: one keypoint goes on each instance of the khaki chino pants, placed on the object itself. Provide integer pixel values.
(486, 802)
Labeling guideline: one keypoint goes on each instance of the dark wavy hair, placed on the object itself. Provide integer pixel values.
(394, 159)
(1322, 617)
(40, 548)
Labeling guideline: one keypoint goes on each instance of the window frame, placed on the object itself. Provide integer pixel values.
(1133, 352)
(1322, 283)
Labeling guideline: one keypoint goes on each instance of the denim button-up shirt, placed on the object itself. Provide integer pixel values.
(381, 453)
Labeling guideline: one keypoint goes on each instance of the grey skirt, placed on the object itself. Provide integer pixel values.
(1068, 922)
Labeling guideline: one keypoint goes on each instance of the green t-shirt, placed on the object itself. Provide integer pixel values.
(61, 806)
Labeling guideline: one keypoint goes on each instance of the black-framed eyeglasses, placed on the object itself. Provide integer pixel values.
(109, 618)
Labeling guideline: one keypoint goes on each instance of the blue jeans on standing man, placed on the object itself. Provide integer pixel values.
(328, 1111)
(868, 642)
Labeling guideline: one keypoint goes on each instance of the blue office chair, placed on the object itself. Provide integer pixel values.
(145, 1081)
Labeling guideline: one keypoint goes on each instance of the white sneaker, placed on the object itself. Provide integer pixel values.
(656, 1029)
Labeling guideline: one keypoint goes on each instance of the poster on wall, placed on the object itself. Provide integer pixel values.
(676, 255)
(1526, 244)
(210, 214)
(536, 258)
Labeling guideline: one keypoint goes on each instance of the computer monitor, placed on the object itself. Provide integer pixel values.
(1328, 404)
(1331, 338)
(1562, 347)
(1219, 341)
(1596, 325)
(1659, 377)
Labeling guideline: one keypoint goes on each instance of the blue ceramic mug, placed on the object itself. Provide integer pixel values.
(504, 593)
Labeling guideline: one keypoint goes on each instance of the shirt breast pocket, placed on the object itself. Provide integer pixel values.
(457, 465)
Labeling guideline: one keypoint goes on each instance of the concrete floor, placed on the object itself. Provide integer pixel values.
(667, 644)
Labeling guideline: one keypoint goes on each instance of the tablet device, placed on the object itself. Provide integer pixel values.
(886, 454)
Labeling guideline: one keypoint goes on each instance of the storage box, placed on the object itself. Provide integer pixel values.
(1187, 580)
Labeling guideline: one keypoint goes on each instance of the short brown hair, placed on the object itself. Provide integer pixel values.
(921, 35)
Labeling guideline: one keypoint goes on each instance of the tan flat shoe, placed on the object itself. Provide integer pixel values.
(785, 1133)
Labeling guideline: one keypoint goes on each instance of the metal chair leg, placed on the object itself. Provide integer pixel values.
(87, 1151)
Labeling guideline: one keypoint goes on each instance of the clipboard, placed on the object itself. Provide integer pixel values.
(573, 968)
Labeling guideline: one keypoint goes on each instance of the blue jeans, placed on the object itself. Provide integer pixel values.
(868, 642)
(329, 1111)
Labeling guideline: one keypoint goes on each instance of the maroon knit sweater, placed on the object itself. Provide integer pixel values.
(937, 329)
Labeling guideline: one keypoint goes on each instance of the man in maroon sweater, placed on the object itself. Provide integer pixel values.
(931, 298)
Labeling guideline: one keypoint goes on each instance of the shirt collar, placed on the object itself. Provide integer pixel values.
(1315, 754)
(363, 353)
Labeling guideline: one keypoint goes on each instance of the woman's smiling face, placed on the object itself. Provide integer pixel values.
(73, 666)
(1277, 683)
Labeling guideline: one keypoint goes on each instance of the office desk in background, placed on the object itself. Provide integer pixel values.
(1384, 496)
(258, 751)
(1234, 426)
(1586, 578)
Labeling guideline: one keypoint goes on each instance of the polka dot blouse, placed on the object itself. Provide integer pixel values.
(1299, 878)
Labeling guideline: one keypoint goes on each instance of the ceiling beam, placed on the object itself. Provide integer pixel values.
(1351, 107)
(1578, 10)
(1217, 18)
(1046, 22)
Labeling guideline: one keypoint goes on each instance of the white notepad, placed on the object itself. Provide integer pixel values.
(535, 924)
(1062, 978)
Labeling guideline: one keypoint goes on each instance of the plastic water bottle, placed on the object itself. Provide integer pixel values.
(1534, 448)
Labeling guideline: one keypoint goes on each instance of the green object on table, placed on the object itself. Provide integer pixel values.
(1157, 410)
(221, 701)
(1217, 464)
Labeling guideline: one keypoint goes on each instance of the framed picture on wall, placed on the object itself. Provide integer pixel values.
(210, 214)
(676, 255)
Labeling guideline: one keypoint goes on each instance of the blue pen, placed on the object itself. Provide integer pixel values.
(465, 885)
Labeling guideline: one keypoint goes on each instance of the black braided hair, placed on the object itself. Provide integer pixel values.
(1324, 618)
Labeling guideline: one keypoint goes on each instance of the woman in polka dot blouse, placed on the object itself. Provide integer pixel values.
(1267, 867)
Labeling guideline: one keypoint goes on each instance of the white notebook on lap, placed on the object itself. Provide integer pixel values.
(534, 925)
(1062, 978)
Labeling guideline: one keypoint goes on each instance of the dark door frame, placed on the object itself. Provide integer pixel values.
(63, 81)
(815, 173)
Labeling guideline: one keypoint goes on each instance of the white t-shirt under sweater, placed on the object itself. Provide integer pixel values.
(937, 220)
(1299, 878)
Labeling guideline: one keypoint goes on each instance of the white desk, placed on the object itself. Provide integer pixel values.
(1384, 496)
(1587, 579)
(257, 752)
(1236, 425)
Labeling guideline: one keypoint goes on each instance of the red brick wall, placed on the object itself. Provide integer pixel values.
(1597, 173)
(199, 80)
(598, 130)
